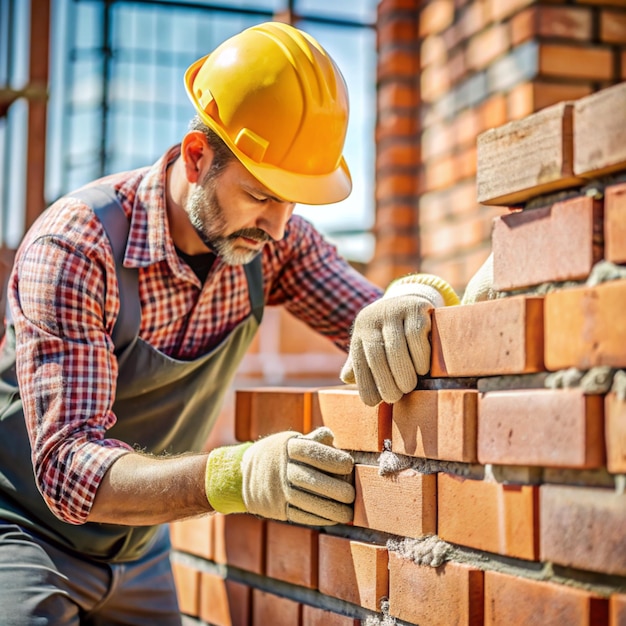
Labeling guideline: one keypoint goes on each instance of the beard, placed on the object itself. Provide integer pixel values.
(207, 216)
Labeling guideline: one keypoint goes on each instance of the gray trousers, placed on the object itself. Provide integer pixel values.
(41, 584)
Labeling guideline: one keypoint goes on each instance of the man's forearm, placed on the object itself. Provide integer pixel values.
(140, 490)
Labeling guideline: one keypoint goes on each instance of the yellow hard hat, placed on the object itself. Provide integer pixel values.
(280, 103)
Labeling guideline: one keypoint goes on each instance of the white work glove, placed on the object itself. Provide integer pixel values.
(390, 343)
(287, 476)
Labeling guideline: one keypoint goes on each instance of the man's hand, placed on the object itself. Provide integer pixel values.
(390, 343)
(287, 476)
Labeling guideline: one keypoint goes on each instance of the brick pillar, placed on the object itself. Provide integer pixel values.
(397, 142)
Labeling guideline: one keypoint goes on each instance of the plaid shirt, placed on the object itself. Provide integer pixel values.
(63, 294)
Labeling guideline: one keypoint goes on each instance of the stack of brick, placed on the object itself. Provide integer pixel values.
(449, 70)
(495, 492)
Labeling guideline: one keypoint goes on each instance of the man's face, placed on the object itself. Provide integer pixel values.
(235, 215)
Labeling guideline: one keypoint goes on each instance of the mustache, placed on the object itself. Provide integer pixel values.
(252, 233)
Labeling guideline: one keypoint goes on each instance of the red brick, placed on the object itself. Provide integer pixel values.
(356, 426)
(485, 47)
(552, 21)
(576, 62)
(187, 581)
(555, 243)
(617, 610)
(268, 608)
(240, 541)
(224, 602)
(312, 616)
(398, 95)
(615, 412)
(498, 518)
(527, 157)
(511, 600)
(435, 16)
(615, 223)
(353, 571)
(397, 63)
(600, 132)
(501, 9)
(613, 27)
(585, 327)
(292, 554)
(395, 184)
(403, 504)
(541, 427)
(449, 594)
(436, 425)
(528, 98)
(491, 338)
(267, 410)
(193, 535)
(583, 527)
(396, 31)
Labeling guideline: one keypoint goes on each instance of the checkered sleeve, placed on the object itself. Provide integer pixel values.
(316, 284)
(63, 296)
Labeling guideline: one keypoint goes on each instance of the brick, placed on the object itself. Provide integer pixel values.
(490, 338)
(552, 21)
(585, 327)
(600, 132)
(292, 554)
(187, 580)
(515, 600)
(313, 616)
(403, 504)
(436, 425)
(526, 158)
(613, 27)
(590, 63)
(486, 46)
(501, 9)
(554, 243)
(615, 420)
(397, 63)
(355, 425)
(353, 571)
(497, 518)
(435, 17)
(267, 410)
(530, 97)
(583, 527)
(433, 49)
(224, 602)
(193, 535)
(615, 223)
(445, 239)
(449, 594)
(396, 184)
(541, 427)
(617, 610)
(268, 608)
(398, 95)
(519, 65)
(240, 541)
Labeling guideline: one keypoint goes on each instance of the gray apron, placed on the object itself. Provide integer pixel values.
(162, 405)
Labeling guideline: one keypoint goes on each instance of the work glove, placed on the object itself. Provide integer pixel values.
(287, 476)
(390, 343)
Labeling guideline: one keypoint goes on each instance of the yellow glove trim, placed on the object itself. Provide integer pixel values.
(448, 294)
(224, 479)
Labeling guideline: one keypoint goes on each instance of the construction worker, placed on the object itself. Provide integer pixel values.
(131, 303)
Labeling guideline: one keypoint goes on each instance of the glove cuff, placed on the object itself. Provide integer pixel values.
(224, 479)
(422, 284)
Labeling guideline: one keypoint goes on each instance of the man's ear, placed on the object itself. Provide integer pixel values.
(197, 155)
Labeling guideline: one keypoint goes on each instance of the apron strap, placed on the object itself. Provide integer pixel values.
(107, 207)
(254, 274)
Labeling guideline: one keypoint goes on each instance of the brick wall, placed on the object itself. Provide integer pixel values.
(495, 492)
(449, 70)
